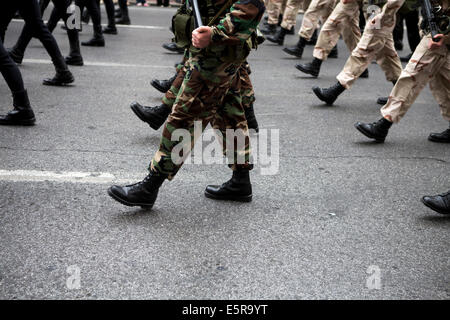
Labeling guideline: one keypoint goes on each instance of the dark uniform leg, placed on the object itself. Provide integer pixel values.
(94, 11)
(22, 114)
(124, 18)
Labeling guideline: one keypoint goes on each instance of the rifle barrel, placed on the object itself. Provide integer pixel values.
(198, 17)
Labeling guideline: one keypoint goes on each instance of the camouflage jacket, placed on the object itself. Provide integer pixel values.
(384, 22)
(239, 23)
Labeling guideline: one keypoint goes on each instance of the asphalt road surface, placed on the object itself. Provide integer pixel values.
(341, 218)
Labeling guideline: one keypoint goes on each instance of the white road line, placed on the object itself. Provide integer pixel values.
(131, 26)
(103, 64)
(88, 177)
(71, 177)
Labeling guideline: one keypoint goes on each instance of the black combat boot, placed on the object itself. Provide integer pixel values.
(154, 116)
(383, 100)
(74, 58)
(329, 95)
(443, 137)
(313, 40)
(278, 37)
(291, 31)
(296, 50)
(110, 29)
(61, 78)
(312, 68)
(15, 54)
(163, 85)
(172, 47)
(98, 40)
(333, 53)
(142, 194)
(238, 188)
(123, 20)
(439, 203)
(377, 130)
(251, 118)
(22, 114)
(269, 29)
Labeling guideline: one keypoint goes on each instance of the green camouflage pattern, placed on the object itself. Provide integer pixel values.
(211, 89)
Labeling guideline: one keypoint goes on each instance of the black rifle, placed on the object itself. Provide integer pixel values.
(197, 15)
(431, 19)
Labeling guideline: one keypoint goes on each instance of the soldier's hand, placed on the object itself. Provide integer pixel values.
(436, 45)
(201, 37)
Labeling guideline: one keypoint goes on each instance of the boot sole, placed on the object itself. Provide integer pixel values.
(368, 134)
(299, 67)
(319, 95)
(276, 42)
(138, 113)
(30, 122)
(57, 84)
(292, 53)
(77, 64)
(433, 208)
(437, 140)
(129, 204)
(229, 198)
(93, 45)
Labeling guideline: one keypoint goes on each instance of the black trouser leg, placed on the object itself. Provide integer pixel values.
(398, 29)
(10, 71)
(124, 9)
(109, 6)
(412, 26)
(94, 11)
(30, 11)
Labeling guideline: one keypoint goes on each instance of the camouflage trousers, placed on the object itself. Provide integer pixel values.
(274, 9)
(210, 97)
(317, 10)
(424, 66)
(290, 14)
(374, 45)
(246, 87)
(344, 20)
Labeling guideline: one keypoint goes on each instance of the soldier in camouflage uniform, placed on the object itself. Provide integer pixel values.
(377, 44)
(210, 93)
(288, 22)
(344, 20)
(318, 10)
(430, 62)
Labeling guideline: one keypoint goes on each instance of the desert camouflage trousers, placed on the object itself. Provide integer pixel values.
(424, 66)
(374, 45)
(290, 13)
(343, 20)
(207, 98)
(274, 9)
(318, 10)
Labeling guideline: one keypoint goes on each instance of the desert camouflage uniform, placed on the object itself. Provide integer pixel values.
(290, 14)
(317, 10)
(344, 20)
(376, 43)
(210, 91)
(424, 66)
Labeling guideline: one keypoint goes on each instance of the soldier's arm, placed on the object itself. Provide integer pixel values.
(240, 23)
